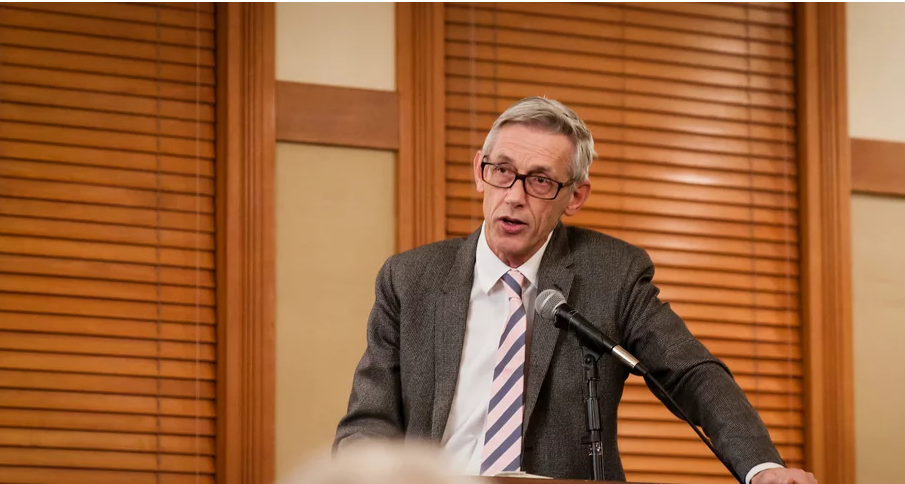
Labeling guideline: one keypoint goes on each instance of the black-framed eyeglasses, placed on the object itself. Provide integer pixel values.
(504, 176)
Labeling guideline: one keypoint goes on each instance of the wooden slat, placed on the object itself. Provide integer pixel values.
(202, 20)
(605, 220)
(99, 251)
(107, 84)
(736, 12)
(488, 95)
(51, 419)
(106, 176)
(734, 297)
(672, 258)
(121, 385)
(105, 233)
(573, 63)
(83, 459)
(103, 346)
(459, 29)
(638, 25)
(100, 365)
(107, 158)
(75, 440)
(98, 326)
(729, 314)
(128, 404)
(108, 102)
(92, 138)
(470, 68)
(107, 65)
(200, 132)
(38, 475)
(139, 217)
(713, 278)
(171, 276)
(113, 47)
(207, 7)
(72, 192)
(61, 22)
(99, 289)
(70, 306)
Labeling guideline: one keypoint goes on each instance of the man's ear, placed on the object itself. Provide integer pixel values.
(579, 196)
(478, 179)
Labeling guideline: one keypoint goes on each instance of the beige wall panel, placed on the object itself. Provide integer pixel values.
(341, 44)
(335, 227)
(878, 247)
(876, 70)
(876, 77)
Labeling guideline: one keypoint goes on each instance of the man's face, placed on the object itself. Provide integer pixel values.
(517, 224)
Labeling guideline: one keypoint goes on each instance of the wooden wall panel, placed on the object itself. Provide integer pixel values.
(878, 167)
(108, 351)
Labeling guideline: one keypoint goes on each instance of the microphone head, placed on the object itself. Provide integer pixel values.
(547, 301)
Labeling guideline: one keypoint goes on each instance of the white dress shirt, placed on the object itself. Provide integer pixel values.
(488, 309)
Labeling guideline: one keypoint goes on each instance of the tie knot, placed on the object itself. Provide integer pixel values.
(514, 282)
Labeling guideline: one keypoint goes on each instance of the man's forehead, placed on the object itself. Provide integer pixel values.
(529, 159)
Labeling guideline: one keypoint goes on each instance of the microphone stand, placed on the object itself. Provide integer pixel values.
(595, 443)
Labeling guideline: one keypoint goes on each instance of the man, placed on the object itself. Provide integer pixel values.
(457, 355)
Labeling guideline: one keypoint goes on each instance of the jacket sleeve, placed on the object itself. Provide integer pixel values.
(375, 404)
(701, 384)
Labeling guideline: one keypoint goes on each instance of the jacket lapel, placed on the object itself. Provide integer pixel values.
(450, 317)
(555, 273)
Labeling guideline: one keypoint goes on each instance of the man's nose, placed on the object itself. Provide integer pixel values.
(516, 194)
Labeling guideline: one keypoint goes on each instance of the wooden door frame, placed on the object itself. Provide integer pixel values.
(825, 187)
(246, 221)
(246, 308)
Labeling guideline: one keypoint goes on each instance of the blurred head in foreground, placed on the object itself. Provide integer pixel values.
(379, 463)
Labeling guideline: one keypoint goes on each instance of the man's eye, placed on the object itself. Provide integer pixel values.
(502, 170)
(541, 180)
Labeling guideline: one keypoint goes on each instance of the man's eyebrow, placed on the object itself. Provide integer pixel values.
(503, 159)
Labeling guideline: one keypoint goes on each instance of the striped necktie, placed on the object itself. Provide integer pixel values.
(503, 428)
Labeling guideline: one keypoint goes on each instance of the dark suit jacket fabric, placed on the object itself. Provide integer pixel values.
(405, 382)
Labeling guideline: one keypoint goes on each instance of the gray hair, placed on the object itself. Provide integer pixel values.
(553, 117)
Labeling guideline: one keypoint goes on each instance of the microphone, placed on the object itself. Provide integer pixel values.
(551, 304)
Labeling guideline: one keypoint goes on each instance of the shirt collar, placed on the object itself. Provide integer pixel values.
(489, 268)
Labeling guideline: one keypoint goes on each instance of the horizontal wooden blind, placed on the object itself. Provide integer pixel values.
(692, 107)
(107, 309)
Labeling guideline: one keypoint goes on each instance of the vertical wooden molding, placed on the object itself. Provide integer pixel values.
(420, 177)
(826, 241)
(246, 143)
